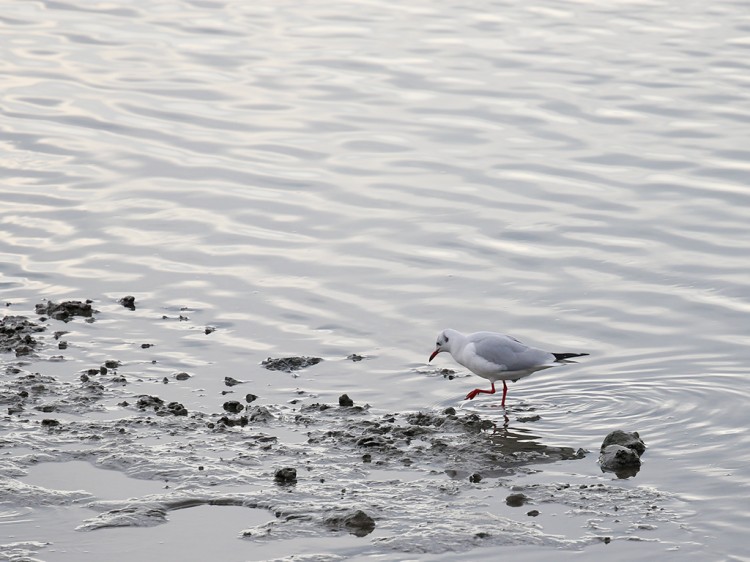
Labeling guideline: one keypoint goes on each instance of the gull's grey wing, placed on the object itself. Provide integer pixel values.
(508, 351)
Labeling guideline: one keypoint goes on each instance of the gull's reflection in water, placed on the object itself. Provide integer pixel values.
(510, 446)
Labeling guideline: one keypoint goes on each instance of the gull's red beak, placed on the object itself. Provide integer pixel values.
(434, 353)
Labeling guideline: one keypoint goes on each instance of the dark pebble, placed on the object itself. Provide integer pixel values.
(182, 376)
(533, 513)
(475, 478)
(250, 398)
(345, 401)
(50, 423)
(229, 381)
(209, 330)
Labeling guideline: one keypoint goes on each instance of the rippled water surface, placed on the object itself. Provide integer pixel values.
(329, 178)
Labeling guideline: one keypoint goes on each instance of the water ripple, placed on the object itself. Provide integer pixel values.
(330, 182)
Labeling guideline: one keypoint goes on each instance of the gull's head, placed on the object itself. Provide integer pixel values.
(443, 343)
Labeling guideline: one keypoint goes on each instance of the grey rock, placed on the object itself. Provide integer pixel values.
(631, 440)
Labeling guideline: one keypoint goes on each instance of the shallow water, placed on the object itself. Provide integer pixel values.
(311, 180)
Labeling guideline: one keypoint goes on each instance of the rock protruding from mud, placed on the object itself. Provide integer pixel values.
(621, 453)
(345, 401)
(631, 440)
(358, 523)
(65, 310)
(15, 335)
(289, 364)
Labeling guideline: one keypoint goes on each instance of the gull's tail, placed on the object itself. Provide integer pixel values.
(563, 356)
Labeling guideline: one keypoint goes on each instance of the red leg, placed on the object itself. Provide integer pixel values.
(505, 391)
(476, 391)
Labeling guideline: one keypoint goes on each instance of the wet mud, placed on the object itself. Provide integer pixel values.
(409, 482)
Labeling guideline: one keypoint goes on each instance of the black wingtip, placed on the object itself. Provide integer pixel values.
(562, 356)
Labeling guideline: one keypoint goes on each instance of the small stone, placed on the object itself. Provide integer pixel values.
(355, 357)
(229, 381)
(345, 401)
(112, 364)
(182, 376)
(533, 513)
(62, 345)
(250, 398)
(146, 345)
(209, 330)
(50, 423)
(475, 478)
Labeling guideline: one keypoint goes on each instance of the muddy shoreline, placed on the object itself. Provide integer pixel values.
(327, 479)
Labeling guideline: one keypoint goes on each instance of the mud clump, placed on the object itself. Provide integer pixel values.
(285, 475)
(233, 407)
(176, 409)
(128, 302)
(66, 310)
(289, 364)
(16, 335)
(145, 401)
(157, 404)
(516, 500)
(225, 421)
(357, 523)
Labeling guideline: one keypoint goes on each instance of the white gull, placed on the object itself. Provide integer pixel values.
(496, 357)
